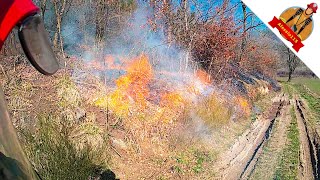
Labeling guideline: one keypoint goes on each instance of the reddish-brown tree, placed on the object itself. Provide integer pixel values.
(215, 46)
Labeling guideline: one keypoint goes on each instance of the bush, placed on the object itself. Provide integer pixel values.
(69, 96)
(214, 111)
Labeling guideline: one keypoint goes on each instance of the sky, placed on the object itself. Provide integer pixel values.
(204, 6)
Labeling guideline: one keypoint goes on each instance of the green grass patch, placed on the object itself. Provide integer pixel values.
(192, 160)
(69, 96)
(312, 83)
(289, 162)
(313, 102)
(287, 89)
(55, 156)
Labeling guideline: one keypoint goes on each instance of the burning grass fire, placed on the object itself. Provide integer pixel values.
(148, 90)
(140, 91)
(132, 88)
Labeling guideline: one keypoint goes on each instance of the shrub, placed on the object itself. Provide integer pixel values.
(214, 111)
(55, 156)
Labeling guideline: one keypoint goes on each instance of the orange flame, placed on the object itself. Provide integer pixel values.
(132, 93)
(172, 100)
(243, 104)
(106, 63)
(135, 83)
(203, 77)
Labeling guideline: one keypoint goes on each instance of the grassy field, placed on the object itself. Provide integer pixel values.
(313, 102)
(312, 83)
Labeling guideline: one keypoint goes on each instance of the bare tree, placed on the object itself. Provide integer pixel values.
(61, 8)
(101, 21)
(246, 28)
(292, 61)
(244, 37)
(43, 7)
(43, 4)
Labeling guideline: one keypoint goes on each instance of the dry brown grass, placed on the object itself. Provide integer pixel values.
(159, 142)
(214, 111)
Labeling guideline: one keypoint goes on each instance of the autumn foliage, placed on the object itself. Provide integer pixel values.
(260, 56)
(215, 46)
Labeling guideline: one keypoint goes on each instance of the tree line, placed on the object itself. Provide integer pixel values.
(215, 33)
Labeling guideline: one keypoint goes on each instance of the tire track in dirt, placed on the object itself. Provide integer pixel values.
(239, 161)
(267, 160)
(309, 149)
(256, 153)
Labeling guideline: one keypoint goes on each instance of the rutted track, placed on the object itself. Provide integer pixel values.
(240, 160)
(248, 159)
(252, 165)
(310, 144)
(273, 147)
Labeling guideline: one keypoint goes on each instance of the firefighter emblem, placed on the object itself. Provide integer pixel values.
(296, 24)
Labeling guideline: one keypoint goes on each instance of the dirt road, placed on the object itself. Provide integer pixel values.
(257, 152)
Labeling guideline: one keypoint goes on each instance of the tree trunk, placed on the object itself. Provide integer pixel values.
(43, 7)
(225, 5)
(101, 21)
(244, 38)
(293, 62)
(59, 12)
(167, 15)
(290, 76)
